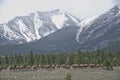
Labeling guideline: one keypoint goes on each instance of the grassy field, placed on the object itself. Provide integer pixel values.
(79, 74)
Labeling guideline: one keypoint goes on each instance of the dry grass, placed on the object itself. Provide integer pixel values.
(80, 74)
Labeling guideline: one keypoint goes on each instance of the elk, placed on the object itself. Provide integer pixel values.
(0, 68)
(34, 67)
(11, 68)
(92, 65)
(75, 66)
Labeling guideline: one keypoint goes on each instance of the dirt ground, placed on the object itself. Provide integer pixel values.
(79, 74)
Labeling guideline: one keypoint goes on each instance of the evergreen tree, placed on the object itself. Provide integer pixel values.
(78, 58)
(47, 59)
(70, 59)
(6, 59)
(37, 59)
(31, 58)
(42, 59)
(16, 60)
(52, 58)
(11, 59)
(0, 60)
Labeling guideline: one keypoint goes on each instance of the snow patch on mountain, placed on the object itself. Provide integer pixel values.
(37, 24)
(85, 24)
(59, 20)
(8, 32)
(25, 32)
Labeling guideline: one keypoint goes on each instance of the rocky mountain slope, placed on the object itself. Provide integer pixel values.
(100, 31)
(35, 26)
(62, 40)
(90, 34)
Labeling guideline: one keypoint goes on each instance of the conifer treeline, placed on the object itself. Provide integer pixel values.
(79, 57)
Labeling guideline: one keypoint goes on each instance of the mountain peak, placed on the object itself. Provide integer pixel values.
(34, 26)
(115, 11)
(115, 8)
(118, 5)
(56, 11)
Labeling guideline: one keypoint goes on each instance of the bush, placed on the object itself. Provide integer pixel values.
(108, 65)
(68, 76)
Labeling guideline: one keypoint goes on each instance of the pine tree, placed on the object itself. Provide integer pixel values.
(37, 59)
(42, 59)
(31, 58)
(0, 60)
(78, 58)
(6, 59)
(47, 59)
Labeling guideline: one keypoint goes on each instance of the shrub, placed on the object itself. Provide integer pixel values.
(68, 76)
(108, 65)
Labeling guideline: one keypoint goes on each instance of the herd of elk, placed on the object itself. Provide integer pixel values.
(48, 67)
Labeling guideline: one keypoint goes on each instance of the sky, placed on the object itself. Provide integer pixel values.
(80, 8)
(116, 1)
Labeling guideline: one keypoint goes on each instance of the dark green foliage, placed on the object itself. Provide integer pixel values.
(31, 58)
(42, 59)
(78, 57)
(37, 59)
(16, 59)
(0, 60)
(6, 59)
(99, 57)
(60, 58)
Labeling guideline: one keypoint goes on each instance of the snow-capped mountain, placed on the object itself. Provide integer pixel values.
(101, 30)
(66, 33)
(35, 26)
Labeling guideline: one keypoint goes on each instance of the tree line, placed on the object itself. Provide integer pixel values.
(78, 57)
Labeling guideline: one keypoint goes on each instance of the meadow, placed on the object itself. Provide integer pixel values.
(59, 74)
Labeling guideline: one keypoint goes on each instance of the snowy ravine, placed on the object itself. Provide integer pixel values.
(100, 31)
(34, 26)
(84, 25)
